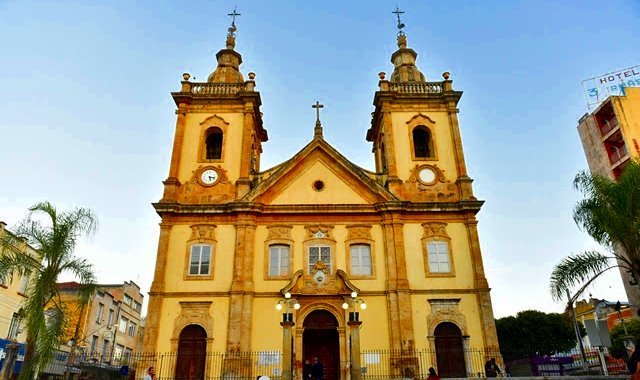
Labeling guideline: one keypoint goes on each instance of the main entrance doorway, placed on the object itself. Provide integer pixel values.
(320, 338)
(449, 351)
(192, 350)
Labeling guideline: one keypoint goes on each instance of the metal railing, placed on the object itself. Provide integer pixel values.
(235, 365)
(403, 364)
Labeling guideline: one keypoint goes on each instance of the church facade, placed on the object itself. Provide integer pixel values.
(318, 234)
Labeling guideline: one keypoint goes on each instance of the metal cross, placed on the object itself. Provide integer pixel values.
(233, 16)
(317, 106)
(398, 12)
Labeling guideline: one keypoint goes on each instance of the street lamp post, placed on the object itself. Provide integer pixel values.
(287, 324)
(354, 332)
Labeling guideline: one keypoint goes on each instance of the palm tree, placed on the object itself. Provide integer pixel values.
(54, 235)
(610, 214)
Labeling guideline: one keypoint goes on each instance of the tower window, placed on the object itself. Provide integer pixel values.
(214, 144)
(422, 142)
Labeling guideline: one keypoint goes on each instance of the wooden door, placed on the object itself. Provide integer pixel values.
(192, 351)
(320, 339)
(449, 351)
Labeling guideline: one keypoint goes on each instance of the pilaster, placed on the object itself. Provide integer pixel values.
(241, 300)
(287, 350)
(243, 183)
(354, 328)
(150, 339)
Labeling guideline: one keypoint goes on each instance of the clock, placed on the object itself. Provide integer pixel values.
(209, 176)
(427, 175)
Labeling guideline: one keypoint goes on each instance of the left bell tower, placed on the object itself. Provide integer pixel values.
(216, 152)
(219, 134)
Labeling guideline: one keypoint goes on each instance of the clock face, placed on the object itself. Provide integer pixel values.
(427, 175)
(209, 176)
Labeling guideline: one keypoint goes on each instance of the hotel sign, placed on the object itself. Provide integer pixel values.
(599, 88)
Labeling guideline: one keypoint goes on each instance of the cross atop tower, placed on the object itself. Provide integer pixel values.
(233, 15)
(398, 12)
(317, 131)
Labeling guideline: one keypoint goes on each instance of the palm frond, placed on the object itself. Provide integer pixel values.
(577, 269)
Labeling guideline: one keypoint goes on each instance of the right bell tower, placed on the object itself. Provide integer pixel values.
(415, 133)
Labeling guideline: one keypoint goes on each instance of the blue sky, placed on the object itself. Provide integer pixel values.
(86, 118)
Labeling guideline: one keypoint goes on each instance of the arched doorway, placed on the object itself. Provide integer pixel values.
(320, 338)
(192, 350)
(449, 350)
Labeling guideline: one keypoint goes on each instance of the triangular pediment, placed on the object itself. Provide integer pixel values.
(319, 174)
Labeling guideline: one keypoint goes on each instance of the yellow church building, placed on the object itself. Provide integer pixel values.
(320, 236)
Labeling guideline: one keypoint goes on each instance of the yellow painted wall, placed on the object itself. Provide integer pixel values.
(336, 191)
(374, 334)
(266, 331)
(232, 142)
(461, 255)
(443, 142)
(179, 255)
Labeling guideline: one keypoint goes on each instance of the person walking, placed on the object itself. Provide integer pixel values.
(432, 374)
(317, 369)
(307, 370)
(491, 369)
(151, 374)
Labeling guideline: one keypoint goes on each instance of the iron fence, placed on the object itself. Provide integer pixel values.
(234, 365)
(415, 364)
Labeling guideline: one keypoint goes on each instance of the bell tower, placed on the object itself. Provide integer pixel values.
(415, 132)
(219, 133)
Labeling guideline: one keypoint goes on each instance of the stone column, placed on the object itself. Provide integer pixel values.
(287, 349)
(354, 327)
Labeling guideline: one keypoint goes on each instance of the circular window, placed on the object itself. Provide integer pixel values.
(318, 185)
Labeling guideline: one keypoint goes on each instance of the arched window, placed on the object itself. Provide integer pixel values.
(422, 143)
(214, 144)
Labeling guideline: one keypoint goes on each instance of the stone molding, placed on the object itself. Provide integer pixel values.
(193, 313)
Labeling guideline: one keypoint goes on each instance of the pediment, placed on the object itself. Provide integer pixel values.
(318, 174)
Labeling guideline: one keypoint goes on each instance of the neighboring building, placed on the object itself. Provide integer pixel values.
(603, 311)
(107, 327)
(234, 239)
(610, 138)
(13, 291)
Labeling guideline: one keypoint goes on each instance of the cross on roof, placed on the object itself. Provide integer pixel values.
(398, 12)
(317, 106)
(233, 16)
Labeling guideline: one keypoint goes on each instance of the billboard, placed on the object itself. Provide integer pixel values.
(599, 88)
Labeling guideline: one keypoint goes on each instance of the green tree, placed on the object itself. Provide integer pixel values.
(617, 336)
(534, 333)
(54, 235)
(610, 214)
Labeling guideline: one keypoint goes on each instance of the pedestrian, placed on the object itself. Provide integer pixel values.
(151, 374)
(491, 369)
(307, 369)
(317, 370)
(432, 374)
